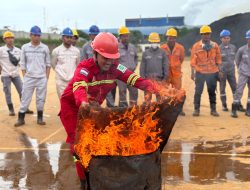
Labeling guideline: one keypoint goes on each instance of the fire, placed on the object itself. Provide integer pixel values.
(105, 132)
(128, 134)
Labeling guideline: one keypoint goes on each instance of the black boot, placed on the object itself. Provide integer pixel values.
(29, 111)
(182, 113)
(248, 110)
(20, 120)
(224, 107)
(11, 110)
(83, 184)
(196, 112)
(40, 118)
(241, 108)
(213, 110)
(234, 110)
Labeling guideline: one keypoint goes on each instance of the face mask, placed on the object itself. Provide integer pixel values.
(207, 46)
(154, 46)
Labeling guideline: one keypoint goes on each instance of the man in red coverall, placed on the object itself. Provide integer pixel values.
(93, 79)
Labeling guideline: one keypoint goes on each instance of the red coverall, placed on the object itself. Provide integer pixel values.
(91, 84)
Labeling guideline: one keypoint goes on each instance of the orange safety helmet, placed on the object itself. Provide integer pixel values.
(106, 44)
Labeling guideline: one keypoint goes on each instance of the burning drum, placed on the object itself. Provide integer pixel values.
(120, 148)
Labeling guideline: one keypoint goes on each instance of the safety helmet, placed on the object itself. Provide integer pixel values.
(106, 44)
(154, 37)
(75, 33)
(8, 34)
(248, 34)
(171, 32)
(205, 29)
(225, 33)
(67, 32)
(35, 30)
(123, 30)
(94, 30)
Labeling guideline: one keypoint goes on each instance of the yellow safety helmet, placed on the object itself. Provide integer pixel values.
(154, 37)
(75, 33)
(8, 34)
(205, 29)
(171, 32)
(123, 30)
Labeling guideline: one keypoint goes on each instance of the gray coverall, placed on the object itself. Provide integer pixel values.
(154, 65)
(128, 58)
(10, 73)
(243, 63)
(228, 69)
(87, 51)
(34, 60)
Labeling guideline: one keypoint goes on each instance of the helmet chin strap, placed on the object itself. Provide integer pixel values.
(95, 58)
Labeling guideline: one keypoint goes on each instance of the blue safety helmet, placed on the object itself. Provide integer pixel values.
(67, 32)
(35, 30)
(248, 34)
(94, 30)
(225, 33)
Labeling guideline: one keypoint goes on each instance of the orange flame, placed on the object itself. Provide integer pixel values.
(129, 134)
(134, 132)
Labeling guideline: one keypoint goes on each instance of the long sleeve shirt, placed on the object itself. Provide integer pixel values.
(8, 69)
(90, 84)
(205, 61)
(35, 60)
(228, 58)
(64, 61)
(128, 56)
(154, 64)
(242, 60)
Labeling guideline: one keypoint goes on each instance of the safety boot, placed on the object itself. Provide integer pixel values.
(248, 109)
(40, 118)
(83, 184)
(11, 110)
(234, 110)
(213, 110)
(241, 108)
(224, 107)
(182, 113)
(20, 120)
(29, 111)
(196, 112)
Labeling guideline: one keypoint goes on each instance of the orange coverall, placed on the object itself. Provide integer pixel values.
(175, 58)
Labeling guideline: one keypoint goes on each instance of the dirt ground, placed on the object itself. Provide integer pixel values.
(203, 153)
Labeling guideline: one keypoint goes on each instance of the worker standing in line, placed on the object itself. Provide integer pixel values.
(154, 64)
(243, 64)
(128, 59)
(74, 38)
(65, 59)
(92, 81)
(9, 65)
(176, 55)
(227, 68)
(87, 51)
(205, 62)
(35, 66)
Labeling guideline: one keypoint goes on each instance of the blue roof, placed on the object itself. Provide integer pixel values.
(158, 21)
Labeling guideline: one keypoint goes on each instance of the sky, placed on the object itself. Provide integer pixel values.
(80, 14)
